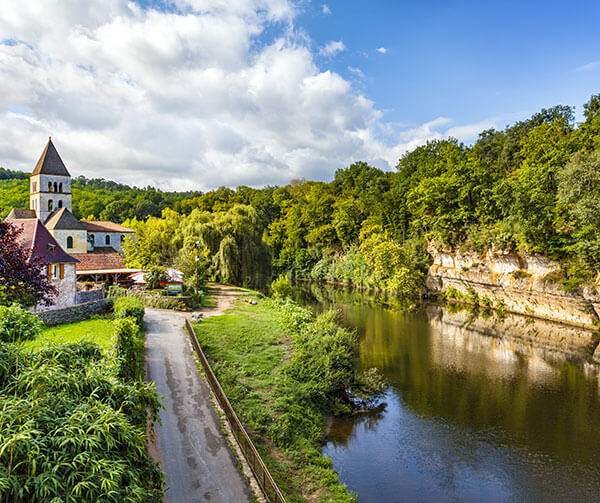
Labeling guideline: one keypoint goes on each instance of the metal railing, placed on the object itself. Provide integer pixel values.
(264, 478)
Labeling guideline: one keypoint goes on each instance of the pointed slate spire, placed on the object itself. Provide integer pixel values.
(50, 162)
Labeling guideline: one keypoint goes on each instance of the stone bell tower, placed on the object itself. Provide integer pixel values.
(50, 184)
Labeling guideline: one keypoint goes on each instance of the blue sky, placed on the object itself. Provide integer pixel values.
(187, 94)
(464, 59)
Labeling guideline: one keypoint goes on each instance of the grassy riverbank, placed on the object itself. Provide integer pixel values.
(284, 372)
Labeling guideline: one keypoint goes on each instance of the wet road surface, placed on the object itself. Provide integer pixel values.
(189, 445)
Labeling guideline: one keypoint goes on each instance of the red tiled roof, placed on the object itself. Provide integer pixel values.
(100, 259)
(103, 226)
(36, 238)
(18, 214)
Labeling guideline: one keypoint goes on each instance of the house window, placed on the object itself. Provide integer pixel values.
(107, 240)
(50, 205)
(60, 203)
(69, 242)
(122, 238)
(56, 271)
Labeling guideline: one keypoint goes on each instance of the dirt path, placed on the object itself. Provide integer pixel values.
(189, 445)
(225, 297)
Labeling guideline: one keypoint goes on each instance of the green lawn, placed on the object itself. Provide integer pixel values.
(247, 347)
(99, 331)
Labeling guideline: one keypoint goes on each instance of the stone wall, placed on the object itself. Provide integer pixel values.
(84, 296)
(75, 313)
(80, 243)
(523, 284)
(67, 290)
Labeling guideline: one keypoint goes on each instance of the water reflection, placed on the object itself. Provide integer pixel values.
(477, 409)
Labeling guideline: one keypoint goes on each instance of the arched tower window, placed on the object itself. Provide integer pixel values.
(50, 204)
(55, 187)
(49, 186)
(34, 187)
(69, 242)
(107, 240)
(60, 203)
(60, 187)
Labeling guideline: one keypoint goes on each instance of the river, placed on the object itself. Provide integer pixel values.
(466, 416)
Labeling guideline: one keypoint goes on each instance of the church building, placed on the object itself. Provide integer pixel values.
(72, 250)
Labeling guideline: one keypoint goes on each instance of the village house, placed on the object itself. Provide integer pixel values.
(72, 250)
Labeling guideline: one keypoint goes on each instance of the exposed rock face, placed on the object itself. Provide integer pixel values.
(522, 283)
(596, 357)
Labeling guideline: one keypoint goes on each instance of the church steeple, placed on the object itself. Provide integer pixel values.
(50, 184)
(50, 162)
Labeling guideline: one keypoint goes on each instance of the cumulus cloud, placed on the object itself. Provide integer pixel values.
(325, 9)
(332, 47)
(382, 50)
(184, 97)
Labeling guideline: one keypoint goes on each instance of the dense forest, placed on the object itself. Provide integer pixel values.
(92, 198)
(533, 187)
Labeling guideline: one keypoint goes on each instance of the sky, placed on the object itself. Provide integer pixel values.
(196, 94)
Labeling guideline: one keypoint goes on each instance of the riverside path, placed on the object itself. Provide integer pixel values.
(189, 445)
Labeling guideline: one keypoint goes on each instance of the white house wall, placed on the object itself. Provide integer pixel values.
(67, 290)
(79, 240)
(115, 240)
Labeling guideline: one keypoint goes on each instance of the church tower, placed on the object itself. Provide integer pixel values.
(50, 184)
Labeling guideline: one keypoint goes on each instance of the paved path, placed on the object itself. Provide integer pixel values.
(189, 445)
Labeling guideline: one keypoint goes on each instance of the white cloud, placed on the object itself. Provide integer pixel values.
(382, 50)
(357, 72)
(325, 9)
(182, 98)
(588, 67)
(332, 47)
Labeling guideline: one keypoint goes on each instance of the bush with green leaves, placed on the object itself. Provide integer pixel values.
(18, 324)
(281, 287)
(129, 347)
(71, 430)
(116, 292)
(154, 276)
(130, 307)
(159, 301)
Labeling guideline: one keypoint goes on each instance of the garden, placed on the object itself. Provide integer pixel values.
(74, 409)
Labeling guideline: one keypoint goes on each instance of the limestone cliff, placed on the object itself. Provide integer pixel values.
(522, 284)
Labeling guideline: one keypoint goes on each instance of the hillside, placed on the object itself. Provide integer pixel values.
(97, 198)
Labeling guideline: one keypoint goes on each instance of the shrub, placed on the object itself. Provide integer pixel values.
(72, 431)
(162, 301)
(116, 292)
(316, 378)
(18, 324)
(128, 348)
(130, 307)
(281, 287)
(154, 276)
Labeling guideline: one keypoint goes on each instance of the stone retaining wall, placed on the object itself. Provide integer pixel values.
(75, 313)
(84, 296)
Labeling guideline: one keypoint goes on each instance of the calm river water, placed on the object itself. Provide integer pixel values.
(466, 417)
